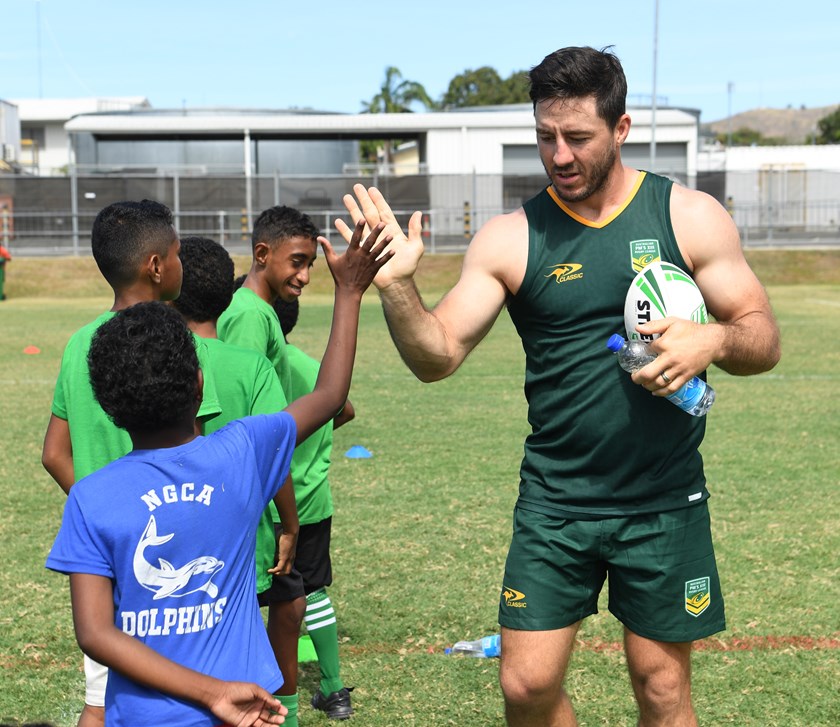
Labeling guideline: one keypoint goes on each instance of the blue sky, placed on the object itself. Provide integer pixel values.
(332, 55)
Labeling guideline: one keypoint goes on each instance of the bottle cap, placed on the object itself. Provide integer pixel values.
(616, 342)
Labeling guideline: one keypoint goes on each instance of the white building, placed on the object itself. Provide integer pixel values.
(470, 155)
(779, 187)
(45, 145)
(9, 136)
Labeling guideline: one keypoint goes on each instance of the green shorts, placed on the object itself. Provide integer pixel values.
(663, 581)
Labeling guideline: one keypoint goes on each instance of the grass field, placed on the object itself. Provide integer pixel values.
(421, 528)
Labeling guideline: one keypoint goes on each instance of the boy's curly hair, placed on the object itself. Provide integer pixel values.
(144, 367)
(207, 286)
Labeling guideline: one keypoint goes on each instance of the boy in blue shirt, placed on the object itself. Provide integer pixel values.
(159, 544)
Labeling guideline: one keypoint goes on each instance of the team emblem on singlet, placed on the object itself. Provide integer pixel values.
(563, 272)
(643, 253)
(697, 595)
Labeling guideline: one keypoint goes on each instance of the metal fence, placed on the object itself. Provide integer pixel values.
(53, 215)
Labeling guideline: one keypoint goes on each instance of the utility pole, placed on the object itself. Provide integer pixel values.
(38, 37)
(729, 87)
(653, 94)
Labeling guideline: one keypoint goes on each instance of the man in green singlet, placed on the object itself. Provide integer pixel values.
(612, 483)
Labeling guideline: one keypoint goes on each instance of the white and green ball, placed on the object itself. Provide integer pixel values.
(658, 291)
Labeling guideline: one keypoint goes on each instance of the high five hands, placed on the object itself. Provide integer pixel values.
(370, 206)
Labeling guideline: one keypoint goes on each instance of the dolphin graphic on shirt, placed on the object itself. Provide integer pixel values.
(165, 579)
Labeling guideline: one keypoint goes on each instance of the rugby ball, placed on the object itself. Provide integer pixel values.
(658, 291)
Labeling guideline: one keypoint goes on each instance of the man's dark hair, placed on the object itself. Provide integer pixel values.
(287, 314)
(143, 367)
(207, 286)
(580, 72)
(282, 223)
(124, 233)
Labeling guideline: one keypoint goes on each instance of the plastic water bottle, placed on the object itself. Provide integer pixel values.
(487, 647)
(695, 396)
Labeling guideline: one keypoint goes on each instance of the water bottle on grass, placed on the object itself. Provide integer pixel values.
(695, 396)
(487, 647)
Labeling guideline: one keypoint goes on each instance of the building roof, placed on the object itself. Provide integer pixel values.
(62, 109)
(224, 121)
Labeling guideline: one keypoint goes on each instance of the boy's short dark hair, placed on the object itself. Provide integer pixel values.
(144, 367)
(124, 233)
(207, 286)
(282, 223)
(287, 314)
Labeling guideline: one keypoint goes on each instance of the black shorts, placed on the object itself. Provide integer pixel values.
(312, 558)
(312, 568)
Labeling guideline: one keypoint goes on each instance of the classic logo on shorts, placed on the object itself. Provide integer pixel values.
(643, 253)
(564, 272)
(697, 596)
(514, 598)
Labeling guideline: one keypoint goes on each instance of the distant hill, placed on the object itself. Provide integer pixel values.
(793, 125)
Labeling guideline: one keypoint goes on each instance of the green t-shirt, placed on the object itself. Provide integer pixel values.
(247, 385)
(250, 322)
(311, 459)
(95, 439)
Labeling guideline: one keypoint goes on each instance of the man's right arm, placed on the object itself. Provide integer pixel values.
(434, 343)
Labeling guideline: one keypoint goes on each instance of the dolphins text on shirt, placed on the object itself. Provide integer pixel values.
(183, 620)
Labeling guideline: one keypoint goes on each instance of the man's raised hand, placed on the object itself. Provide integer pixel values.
(357, 267)
(370, 207)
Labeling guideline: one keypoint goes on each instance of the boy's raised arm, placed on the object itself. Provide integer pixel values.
(353, 273)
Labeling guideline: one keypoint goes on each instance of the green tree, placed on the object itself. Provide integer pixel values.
(485, 87)
(395, 96)
(829, 128)
(745, 136)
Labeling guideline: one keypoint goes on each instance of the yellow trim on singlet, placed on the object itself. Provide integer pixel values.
(603, 223)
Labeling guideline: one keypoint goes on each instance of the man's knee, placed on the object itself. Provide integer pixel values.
(526, 687)
(662, 690)
(661, 677)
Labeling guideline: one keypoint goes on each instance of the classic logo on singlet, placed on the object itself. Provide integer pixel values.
(514, 598)
(643, 253)
(697, 596)
(563, 272)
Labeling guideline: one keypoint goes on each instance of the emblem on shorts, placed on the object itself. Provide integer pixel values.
(514, 598)
(643, 253)
(697, 596)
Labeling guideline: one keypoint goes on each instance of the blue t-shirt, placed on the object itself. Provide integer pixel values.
(175, 531)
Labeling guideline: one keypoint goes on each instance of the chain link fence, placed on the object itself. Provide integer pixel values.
(53, 215)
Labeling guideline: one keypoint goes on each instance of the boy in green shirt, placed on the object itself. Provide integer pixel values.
(310, 466)
(249, 385)
(136, 249)
(284, 248)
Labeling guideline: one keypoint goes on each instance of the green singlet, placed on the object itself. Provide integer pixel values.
(600, 445)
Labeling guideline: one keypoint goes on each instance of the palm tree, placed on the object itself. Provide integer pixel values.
(396, 96)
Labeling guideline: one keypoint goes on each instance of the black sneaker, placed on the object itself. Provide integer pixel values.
(336, 705)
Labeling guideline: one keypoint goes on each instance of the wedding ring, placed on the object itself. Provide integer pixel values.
(665, 377)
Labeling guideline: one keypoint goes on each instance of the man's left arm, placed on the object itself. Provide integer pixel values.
(743, 338)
